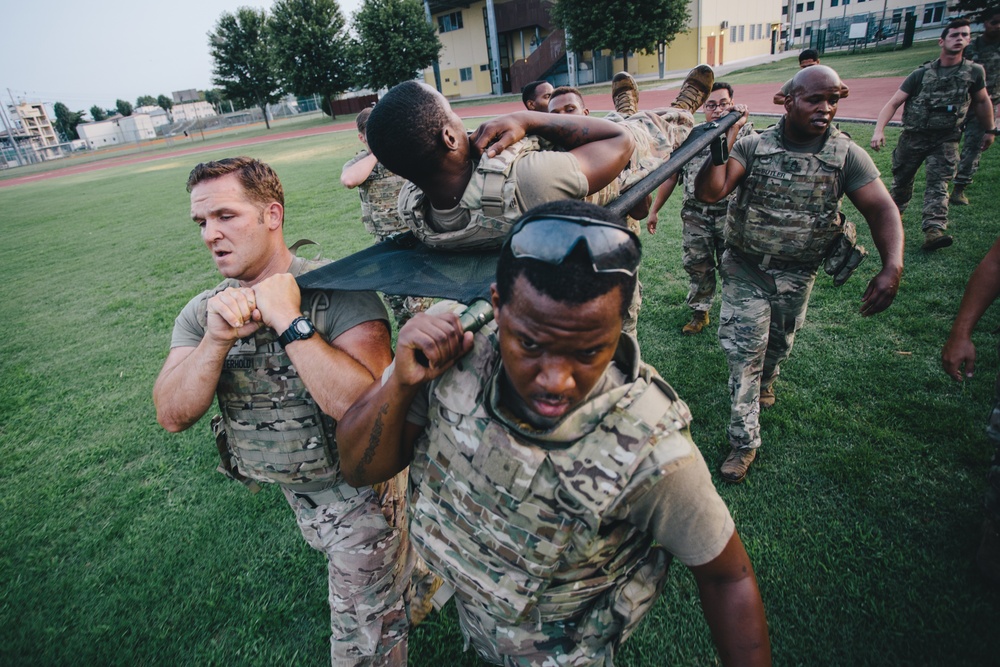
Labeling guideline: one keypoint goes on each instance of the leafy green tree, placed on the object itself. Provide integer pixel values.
(311, 47)
(244, 62)
(395, 42)
(97, 113)
(145, 101)
(214, 97)
(620, 25)
(165, 103)
(124, 107)
(975, 10)
(66, 121)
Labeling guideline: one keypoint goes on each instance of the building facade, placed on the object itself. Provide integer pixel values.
(497, 46)
(828, 23)
(191, 111)
(116, 131)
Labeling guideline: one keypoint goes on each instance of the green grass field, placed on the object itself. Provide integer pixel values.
(122, 546)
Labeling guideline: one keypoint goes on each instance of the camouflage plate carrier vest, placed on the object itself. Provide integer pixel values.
(379, 198)
(489, 197)
(987, 55)
(789, 203)
(275, 430)
(942, 102)
(527, 532)
(690, 172)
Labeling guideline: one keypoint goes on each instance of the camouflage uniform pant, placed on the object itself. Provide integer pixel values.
(632, 319)
(587, 640)
(367, 547)
(992, 497)
(940, 152)
(703, 244)
(405, 307)
(972, 142)
(762, 309)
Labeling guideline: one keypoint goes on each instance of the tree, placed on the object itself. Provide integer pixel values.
(975, 10)
(396, 42)
(165, 103)
(311, 47)
(145, 101)
(214, 97)
(244, 64)
(124, 107)
(66, 121)
(97, 113)
(620, 25)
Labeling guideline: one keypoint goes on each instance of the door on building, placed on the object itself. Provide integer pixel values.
(711, 50)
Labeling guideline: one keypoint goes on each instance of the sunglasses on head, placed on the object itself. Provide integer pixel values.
(551, 238)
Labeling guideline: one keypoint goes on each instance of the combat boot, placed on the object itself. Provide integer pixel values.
(988, 556)
(734, 468)
(767, 398)
(958, 196)
(625, 94)
(699, 320)
(935, 239)
(695, 89)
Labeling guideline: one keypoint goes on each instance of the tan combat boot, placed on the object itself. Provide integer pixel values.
(734, 468)
(935, 239)
(767, 398)
(625, 94)
(695, 89)
(958, 196)
(699, 320)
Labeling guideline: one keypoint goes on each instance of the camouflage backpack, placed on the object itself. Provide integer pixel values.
(528, 531)
(942, 102)
(379, 199)
(789, 203)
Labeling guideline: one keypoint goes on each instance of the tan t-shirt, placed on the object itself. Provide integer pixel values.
(544, 176)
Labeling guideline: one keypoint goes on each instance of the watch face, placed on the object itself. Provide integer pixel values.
(303, 327)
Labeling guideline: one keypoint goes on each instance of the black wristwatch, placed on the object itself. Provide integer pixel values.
(995, 131)
(300, 329)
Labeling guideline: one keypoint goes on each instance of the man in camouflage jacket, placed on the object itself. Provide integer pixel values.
(553, 474)
(284, 366)
(985, 50)
(938, 96)
(792, 178)
(379, 191)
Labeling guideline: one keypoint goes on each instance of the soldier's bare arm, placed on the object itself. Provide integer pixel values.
(882, 216)
(983, 108)
(185, 388)
(885, 115)
(356, 173)
(733, 608)
(662, 195)
(602, 148)
(373, 437)
(337, 372)
(714, 182)
(981, 291)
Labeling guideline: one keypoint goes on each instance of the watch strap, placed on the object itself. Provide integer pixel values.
(292, 334)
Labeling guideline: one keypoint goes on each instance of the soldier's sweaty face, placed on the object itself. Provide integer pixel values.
(554, 353)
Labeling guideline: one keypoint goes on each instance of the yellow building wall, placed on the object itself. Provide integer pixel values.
(465, 47)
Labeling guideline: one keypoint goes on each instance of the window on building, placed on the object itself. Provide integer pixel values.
(934, 13)
(484, 68)
(798, 32)
(449, 22)
(810, 6)
(784, 10)
(809, 31)
(465, 74)
(834, 3)
(742, 32)
(732, 34)
(798, 8)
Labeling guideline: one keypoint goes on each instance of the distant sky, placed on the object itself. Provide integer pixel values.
(83, 54)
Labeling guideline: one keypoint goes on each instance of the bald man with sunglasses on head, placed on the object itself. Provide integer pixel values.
(552, 473)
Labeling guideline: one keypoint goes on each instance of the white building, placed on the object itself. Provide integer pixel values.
(118, 130)
(804, 17)
(156, 114)
(192, 111)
